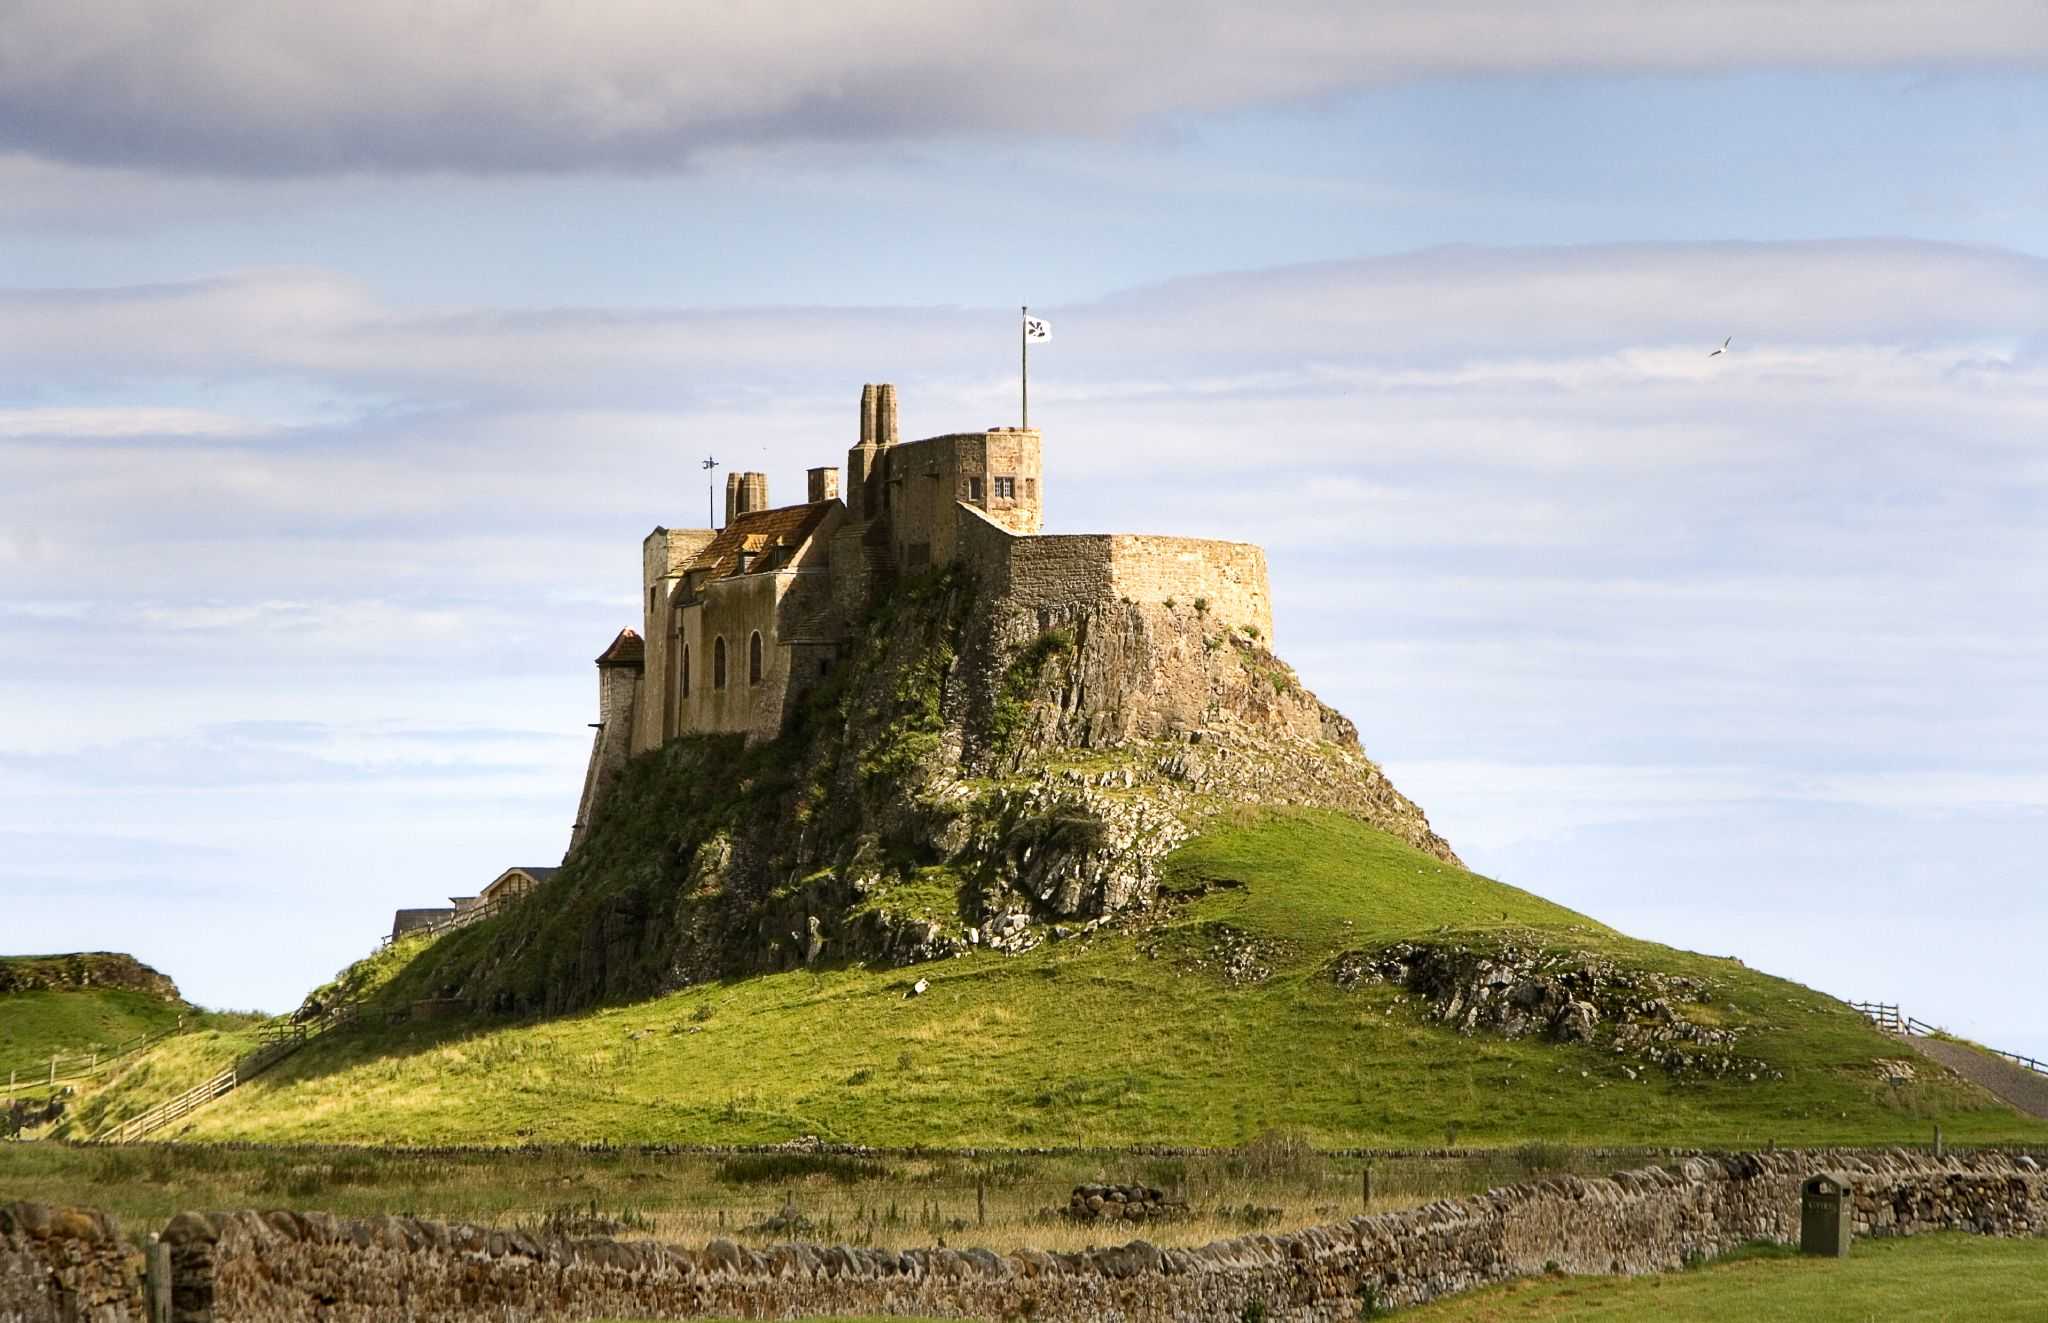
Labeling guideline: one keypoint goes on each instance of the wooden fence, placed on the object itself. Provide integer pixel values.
(1886, 1016)
(83, 1064)
(476, 913)
(280, 1038)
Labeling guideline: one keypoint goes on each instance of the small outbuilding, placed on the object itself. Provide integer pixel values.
(515, 882)
(406, 921)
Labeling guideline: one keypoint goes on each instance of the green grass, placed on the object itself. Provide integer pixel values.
(996, 1201)
(1120, 1038)
(1924, 1278)
(68, 1021)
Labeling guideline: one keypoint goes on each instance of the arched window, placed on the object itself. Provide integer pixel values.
(683, 672)
(718, 663)
(754, 658)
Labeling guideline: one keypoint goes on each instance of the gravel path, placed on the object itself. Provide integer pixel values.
(2019, 1086)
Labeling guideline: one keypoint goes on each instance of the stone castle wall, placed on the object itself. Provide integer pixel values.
(245, 1267)
(1227, 579)
(618, 698)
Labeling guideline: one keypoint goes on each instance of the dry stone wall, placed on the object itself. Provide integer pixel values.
(66, 1265)
(251, 1267)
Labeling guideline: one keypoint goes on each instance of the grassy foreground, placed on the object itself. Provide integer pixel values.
(1931, 1278)
(1122, 1037)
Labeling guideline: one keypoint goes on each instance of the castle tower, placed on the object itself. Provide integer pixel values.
(620, 668)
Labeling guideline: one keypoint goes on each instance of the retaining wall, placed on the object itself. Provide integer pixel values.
(244, 1267)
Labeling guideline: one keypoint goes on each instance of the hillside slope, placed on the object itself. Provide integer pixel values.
(968, 775)
(79, 1003)
(1259, 993)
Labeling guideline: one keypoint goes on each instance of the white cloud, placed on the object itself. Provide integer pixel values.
(119, 422)
(251, 87)
(1572, 579)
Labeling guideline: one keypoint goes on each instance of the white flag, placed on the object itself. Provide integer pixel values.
(1037, 328)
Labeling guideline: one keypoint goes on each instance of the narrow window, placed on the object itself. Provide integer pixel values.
(650, 599)
(718, 662)
(974, 490)
(1030, 489)
(1006, 489)
(683, 672)
(754, 658)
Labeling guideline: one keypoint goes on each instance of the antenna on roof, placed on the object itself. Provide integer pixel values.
(710, 506)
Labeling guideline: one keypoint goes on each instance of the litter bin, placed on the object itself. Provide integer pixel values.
(1826, 1216)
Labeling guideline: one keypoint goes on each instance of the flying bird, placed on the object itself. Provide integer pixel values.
(1722, 350)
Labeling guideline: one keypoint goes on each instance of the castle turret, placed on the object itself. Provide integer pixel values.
(620, 669)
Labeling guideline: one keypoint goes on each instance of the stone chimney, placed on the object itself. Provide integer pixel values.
(824, 485)
(867, 415)
(885, 415)
(745, 493)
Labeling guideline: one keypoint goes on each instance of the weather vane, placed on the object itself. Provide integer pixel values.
(710, 505)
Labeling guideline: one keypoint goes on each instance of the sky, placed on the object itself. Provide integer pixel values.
(347, 351)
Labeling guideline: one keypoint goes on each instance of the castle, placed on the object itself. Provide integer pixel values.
(738, 622)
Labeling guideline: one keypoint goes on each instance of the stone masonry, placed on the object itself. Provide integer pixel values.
(257, 1267)
(737, 623)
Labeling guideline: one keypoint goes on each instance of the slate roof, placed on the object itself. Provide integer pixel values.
(625, 650)
(404, 921)
(763, 532)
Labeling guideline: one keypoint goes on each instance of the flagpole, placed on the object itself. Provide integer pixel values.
(1024, 363)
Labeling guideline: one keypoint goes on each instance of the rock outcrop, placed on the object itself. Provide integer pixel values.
(82, 970)
(974, 775)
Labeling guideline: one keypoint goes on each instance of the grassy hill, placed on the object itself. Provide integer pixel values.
(71, 1004)
(1224, 1014)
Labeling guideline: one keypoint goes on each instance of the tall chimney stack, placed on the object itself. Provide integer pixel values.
(867, 415)
(885, 414)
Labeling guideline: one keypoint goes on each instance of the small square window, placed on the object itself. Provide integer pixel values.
(1006, 489)
(974, 490)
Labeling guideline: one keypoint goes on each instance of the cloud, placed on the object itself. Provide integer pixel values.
(1599, 601)
(122, 422)
(254, 88)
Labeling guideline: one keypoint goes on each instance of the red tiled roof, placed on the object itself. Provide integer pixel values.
(625, 650)
(759, 531)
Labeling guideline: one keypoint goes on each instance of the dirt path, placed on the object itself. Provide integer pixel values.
(2017, 1085)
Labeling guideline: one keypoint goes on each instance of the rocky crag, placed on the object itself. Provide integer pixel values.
(977, 773)
(82, 970)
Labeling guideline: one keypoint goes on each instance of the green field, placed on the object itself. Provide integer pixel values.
(1924, 1278)
(1122, 1037)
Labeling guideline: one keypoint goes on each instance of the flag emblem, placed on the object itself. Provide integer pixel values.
(1037, 328)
